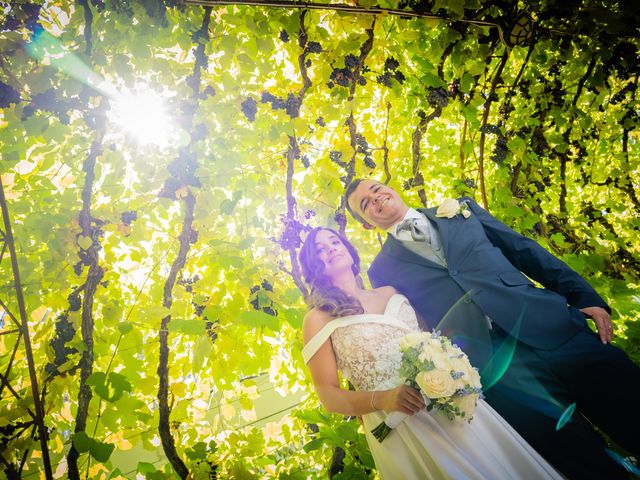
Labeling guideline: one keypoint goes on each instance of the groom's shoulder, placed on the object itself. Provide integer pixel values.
(382, 253)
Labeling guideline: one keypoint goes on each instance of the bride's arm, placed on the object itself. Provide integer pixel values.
(324, 372)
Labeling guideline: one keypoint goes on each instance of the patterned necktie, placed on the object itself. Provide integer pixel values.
(418, 232)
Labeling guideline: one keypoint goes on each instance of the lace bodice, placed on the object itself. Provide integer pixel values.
(367, 346)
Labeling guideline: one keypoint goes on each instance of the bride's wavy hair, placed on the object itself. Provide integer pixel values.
(325, 296)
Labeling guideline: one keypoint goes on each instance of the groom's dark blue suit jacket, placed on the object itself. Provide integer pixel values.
(486, 260)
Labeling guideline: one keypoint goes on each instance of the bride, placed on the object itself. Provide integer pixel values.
(343, 332)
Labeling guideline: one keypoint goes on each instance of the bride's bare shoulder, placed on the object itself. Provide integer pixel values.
(313, 322)
(387, 291)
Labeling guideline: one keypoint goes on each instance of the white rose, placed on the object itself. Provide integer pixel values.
(448, 209)
(436, 384)
(411, 340)
(466, 404)
(439, 359)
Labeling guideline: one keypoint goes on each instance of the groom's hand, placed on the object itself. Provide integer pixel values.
(602, 319)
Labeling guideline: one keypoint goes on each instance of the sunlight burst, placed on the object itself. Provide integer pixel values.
(142, 114)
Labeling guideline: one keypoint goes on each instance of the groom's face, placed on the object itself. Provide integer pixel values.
(379, 205)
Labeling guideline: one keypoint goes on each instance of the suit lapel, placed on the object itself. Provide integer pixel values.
(394, 248)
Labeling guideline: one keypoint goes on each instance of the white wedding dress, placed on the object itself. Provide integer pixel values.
(426, 445)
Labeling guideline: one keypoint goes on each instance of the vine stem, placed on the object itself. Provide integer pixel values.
(350, 123)
(185, 240)
(485, 118)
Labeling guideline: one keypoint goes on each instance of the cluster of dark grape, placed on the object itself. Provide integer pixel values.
(342, 77)
(284, 36)
(78, 267)
(291, 105)
(490, 128)
(198, 308)
(347, 76)
(540, 187)
(75, 302)
(266, 286)
(210, 326)
(127, 218)
(320, 122)
(47, 101)
(305, 161)
(308, 214)
(188, 282)
(183, 172)
(26, 14)
(470, 183)
(313, 47)
(8, 95)
(336, 157)
(249, 108)
(390, 72)
(500, 149)
(351, 61)
(290, 238)
(64, 333)
(438, 97)
(363, 147)
(340, 219)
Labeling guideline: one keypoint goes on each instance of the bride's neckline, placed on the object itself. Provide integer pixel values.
(385, 311)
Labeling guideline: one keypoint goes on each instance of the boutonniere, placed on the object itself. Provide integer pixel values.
(451, 207)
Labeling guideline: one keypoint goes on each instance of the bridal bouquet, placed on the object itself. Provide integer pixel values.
(442, 372)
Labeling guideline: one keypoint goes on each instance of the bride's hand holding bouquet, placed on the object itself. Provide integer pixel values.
(438, 369)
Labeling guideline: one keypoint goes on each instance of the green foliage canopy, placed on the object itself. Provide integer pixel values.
(127, 249)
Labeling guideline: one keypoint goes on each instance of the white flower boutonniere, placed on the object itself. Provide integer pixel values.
(451, 207)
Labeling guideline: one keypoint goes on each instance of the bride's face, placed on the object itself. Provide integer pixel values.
(332, 253)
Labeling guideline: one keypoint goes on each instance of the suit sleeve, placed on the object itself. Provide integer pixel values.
(537, 263)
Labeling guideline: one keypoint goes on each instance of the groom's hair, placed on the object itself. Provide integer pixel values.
(347, 193)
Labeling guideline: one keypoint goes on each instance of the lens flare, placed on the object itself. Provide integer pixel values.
(624, 461)
(139, 112)
(566, 416)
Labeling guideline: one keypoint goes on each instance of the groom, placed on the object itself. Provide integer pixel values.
(459, 261)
